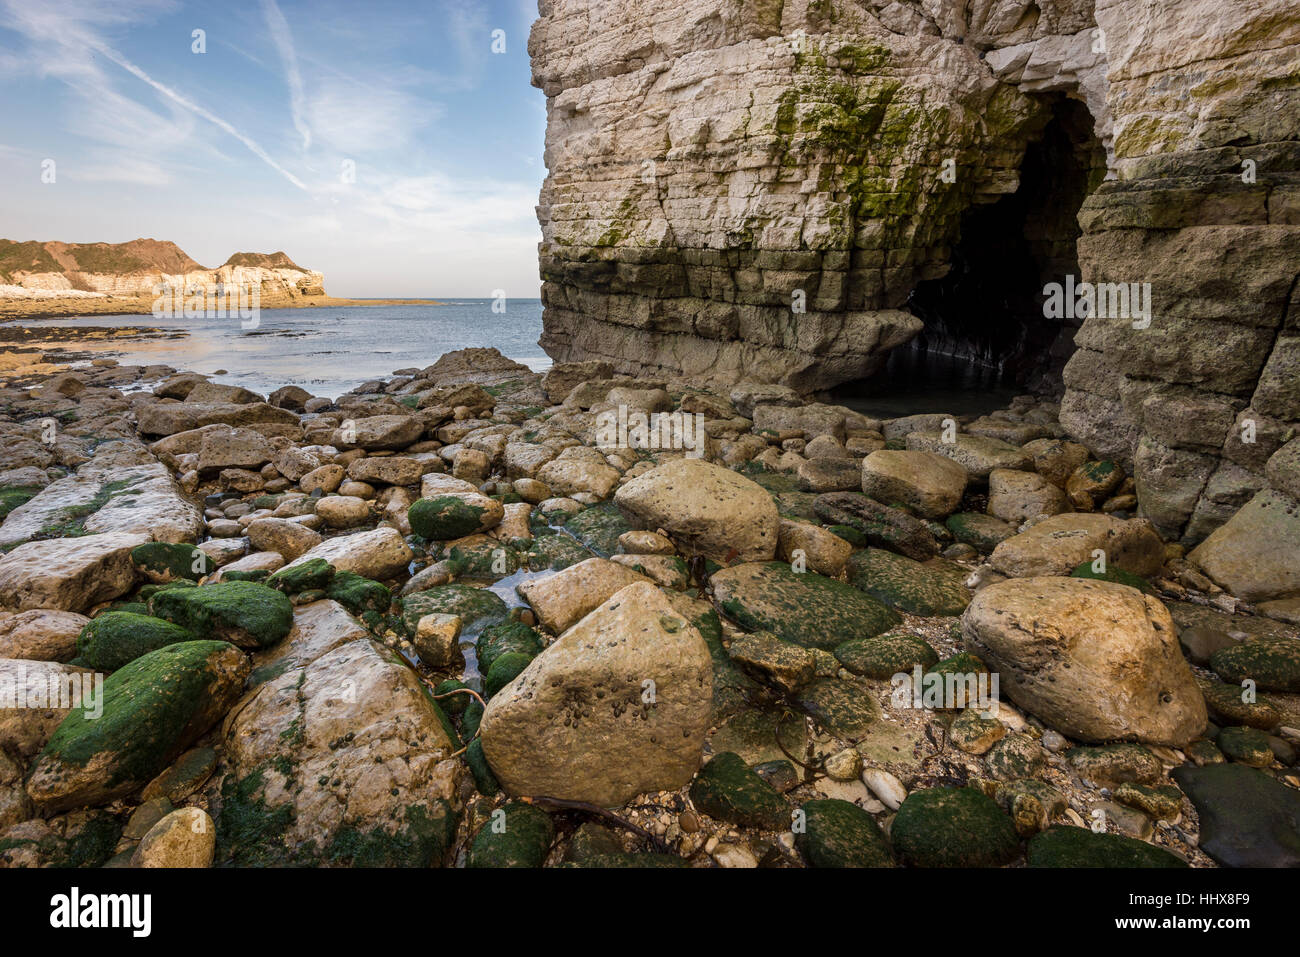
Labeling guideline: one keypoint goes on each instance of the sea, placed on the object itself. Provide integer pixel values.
(326, 350)
(331, 350)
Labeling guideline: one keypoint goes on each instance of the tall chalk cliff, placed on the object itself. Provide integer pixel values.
(785, 191)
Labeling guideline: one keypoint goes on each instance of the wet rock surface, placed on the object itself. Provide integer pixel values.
(711, 647)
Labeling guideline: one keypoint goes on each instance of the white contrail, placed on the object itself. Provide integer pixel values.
(193, 107)
(283, 40)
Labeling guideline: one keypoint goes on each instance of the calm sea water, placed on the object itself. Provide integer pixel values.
(327, 351)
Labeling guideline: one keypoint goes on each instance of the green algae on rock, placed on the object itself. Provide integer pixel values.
(1113, 574)
(805, 608)
(153, 709)
(505, 638)
(477, 608)
(116, 638)
(163, 562)
(727, 789)
(313, 574)
(516, 835)
(843, 708)
(933, 588)
(448, 516)
(1272, 663)
(883, 656)
(246, 614)
(953, 827)
(840, 834)
(1064, 846)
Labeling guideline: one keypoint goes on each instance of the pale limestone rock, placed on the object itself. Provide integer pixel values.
(616, 706)
(1094, 660)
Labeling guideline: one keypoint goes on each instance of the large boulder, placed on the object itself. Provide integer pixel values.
(929, 483)
(68, 574)
(1095, 660)
(805, 608)
(1256, 554)
(40, 634)
(35, 697)
(1058, 545)
(561, 600)
(706, 508)
(153, 709)
(978, 453)
(379, 553)
(292, 795)
(247, 614)
(377, 432)
(618, 705)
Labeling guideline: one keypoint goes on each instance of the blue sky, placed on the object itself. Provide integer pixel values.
(243, 147)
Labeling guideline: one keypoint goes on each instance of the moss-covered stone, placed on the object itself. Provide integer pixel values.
(505, 669)
(485, 782)
(805, 608)
(953, 827)
(595, 846)
(477, 608)
(252, 575)
(153, 709)
(1246, 746)
(1016, 756)
(244, 613)
(313, 574)
(164, 562)
(116, 638)
(517, 835)
(929, 588)
(841, 707)
(480, 558)
(362, 596)
(1162, 802)
(422, 840)
(598, 527)
(1230, 704)
(448, 699)
(883, 656)
(1079, 847)
(980, 531)
(445, 517)
(1113, 574)
(850, 534)
(840, 834)
(727, 789)
(86, 842)
(14, 496)
(1273, 663)
(554, 551)
(1114, 764)
(506, 638)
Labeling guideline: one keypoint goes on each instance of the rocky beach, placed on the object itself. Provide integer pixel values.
(671, 597)
(367, 631)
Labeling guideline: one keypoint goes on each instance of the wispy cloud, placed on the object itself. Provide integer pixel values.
(62, 37)
(283, 40)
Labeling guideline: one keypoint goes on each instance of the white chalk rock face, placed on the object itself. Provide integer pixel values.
(1094, 660)
(705, 508)
(617, 706)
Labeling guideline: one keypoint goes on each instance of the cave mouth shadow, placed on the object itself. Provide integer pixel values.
(985, 338)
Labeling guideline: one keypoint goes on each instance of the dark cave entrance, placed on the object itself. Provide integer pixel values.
(985, 338)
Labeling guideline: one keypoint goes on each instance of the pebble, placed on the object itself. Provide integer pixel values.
(885, 786)
(733, 855)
